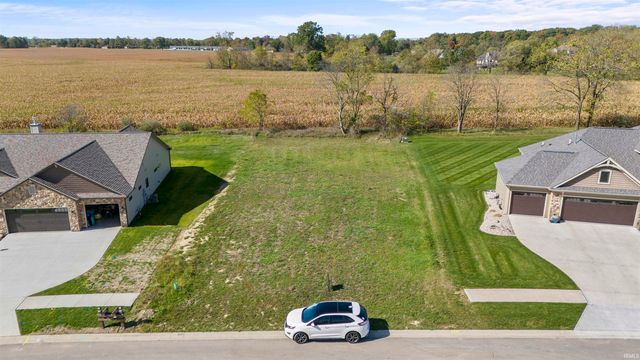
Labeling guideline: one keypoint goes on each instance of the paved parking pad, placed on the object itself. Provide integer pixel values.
(35, 261)
(601, 259)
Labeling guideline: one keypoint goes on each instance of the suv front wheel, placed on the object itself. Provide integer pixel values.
(300, 337)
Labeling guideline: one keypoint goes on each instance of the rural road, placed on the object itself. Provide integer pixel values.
(388, 348)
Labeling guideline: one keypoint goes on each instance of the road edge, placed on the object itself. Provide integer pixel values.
(277, 335)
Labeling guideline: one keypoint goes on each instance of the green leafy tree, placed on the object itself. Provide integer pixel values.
(310, 36)
(314, 60)
(254, 108)
(388, 42)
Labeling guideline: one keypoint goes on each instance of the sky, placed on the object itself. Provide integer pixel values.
(201, 19)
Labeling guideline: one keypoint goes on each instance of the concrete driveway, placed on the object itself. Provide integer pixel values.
(603, 260)
(32, 262)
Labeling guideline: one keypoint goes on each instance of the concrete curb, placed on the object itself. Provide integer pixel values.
(278, 335)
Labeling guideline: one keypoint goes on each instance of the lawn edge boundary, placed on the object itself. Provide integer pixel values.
(276, 335)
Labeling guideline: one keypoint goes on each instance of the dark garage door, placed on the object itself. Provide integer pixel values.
(21, 220)
(527, 203)
(599, 211)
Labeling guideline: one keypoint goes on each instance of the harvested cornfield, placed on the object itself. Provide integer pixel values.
(116, 84)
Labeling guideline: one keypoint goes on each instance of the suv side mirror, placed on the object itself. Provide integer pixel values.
(312, 324)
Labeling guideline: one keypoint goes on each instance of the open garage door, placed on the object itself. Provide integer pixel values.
(23, 220)
(599, 211)
(527, 203)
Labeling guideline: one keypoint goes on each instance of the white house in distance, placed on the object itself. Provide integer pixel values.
(71, 181)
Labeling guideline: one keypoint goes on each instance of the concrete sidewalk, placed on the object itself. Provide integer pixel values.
(81, 300)
(526, 295)
(277, 335)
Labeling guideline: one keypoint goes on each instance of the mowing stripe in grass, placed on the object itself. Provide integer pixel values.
(446, 154)
(474, 168)
(446, 167)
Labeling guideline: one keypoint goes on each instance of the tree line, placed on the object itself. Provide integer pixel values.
(582, 78)
(309, 49)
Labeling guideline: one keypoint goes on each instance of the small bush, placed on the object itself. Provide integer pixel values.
(72, 118)
(153, 126)
(126, 122)
(186, 126)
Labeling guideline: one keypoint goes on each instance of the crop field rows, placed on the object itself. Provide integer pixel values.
(116, 84)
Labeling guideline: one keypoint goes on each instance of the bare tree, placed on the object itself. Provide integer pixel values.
(497, 90)
(386, 98)
(349, 78)
(463, 81)
(600, 59)
(608, 57)
(575, 87)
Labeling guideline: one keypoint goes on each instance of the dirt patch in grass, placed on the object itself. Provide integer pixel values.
(130, 272)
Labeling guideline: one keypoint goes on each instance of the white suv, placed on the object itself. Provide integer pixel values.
(328, 320)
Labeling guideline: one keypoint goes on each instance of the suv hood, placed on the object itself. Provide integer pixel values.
(295, 317)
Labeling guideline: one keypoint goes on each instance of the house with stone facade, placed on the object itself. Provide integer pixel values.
(72, 181)
(590, 175)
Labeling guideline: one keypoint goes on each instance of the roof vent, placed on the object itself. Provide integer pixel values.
(35, 127)
(570, 141)
(542, 143)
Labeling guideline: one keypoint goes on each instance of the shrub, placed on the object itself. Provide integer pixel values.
(72, 118)
(153, 126)
(186, 126)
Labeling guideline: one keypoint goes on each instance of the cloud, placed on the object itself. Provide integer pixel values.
(122, 22)
(323, 19)
(530, 14)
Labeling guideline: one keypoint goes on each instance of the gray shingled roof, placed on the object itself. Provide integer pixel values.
(31, 153)
(93, 163)
(553, 162)
(5, 164)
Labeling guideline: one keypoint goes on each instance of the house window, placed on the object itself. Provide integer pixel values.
(146, 182)
(604, 177)
(130, 197)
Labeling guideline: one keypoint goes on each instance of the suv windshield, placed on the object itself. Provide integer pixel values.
(310, 313)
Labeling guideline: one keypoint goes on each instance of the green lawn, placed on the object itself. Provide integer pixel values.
(199, 162)
(392, 226)
(31, 321)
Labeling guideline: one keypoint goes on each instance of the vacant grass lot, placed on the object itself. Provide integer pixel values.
(392, 226)
(173, 86)
(199, 162)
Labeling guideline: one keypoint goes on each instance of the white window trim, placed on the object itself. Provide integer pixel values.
(600, 177)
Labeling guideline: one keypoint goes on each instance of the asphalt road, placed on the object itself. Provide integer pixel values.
(390, 348)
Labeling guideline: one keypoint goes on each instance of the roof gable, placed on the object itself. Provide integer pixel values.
(93, 163)
(31, 153)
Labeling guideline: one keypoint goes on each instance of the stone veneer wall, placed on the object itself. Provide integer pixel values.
(555, 204)
(103, 201)
(31, 195)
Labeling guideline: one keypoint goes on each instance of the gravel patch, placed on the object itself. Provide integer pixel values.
(495, 222)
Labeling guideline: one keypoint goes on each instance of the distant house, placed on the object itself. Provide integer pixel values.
(71, 181)
(193, 48)
(487, 60)
(438, 53)
(564, 49)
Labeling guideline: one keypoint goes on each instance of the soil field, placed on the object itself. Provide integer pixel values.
(173, 86)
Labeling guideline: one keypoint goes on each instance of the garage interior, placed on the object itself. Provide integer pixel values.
(102, 216)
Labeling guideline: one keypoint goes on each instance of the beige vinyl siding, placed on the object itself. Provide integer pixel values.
(503, 192)
(619, 180)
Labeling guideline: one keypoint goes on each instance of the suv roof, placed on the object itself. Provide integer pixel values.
(330, 307)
